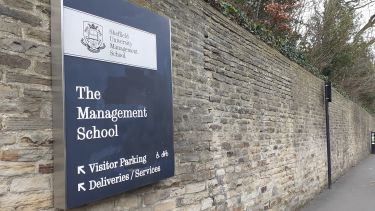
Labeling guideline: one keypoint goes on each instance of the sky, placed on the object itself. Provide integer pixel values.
(365, 13)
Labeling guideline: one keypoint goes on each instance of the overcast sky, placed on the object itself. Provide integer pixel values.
(307, 12)
(366, 12)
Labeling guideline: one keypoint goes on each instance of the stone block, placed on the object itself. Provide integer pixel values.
(35, 139)
(40, 35)
(165, 205)
(4, 186)
(14, 61)
(26, 154)
(129, 201)
(195, 187)
(99, 206)
(9, 155)
(34, 183)
(8, 208)
(8, 169)
(183, 168)
(43, 68)
(16, 44)
(35, 200)
(46, 111)
(8, 92)
(45, 168)
(37, 94)
(20, 15)
(19, 4)
(206, 203)
(24, 46)
(44, 9)
(13, 77)
(220, 172)
(9, 107)
(40, 51)
(30, 106)
(44, 1)
(10, 27)
(219, 199)
(153, 197)
(189, 157)
(18, 123)
(7, 139)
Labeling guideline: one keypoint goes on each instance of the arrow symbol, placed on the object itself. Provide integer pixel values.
(80, 170)
(80, 187)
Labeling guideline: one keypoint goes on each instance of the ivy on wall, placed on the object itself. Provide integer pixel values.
(286, 44)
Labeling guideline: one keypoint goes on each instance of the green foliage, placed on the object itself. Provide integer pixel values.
(346, 61)
(284, 43)
(327, 50)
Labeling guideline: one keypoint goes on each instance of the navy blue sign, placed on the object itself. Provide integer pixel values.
(118, 99)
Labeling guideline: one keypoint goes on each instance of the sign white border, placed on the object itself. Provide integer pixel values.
(119, 43)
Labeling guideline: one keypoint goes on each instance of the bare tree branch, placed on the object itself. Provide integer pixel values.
(364, 5)
(370, 23)
(371, 42)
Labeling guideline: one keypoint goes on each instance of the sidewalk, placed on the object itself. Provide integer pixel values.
(355, 191)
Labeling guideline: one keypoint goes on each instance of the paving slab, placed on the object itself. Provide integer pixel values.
(355, 191)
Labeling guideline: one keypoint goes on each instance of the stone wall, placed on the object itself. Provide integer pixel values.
(249, 123)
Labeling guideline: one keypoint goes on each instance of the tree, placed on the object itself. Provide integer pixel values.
(335, 44)
(332, 41)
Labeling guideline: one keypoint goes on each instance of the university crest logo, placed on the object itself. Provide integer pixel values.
(93, 37)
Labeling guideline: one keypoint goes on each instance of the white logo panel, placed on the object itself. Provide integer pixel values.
(92, 37)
